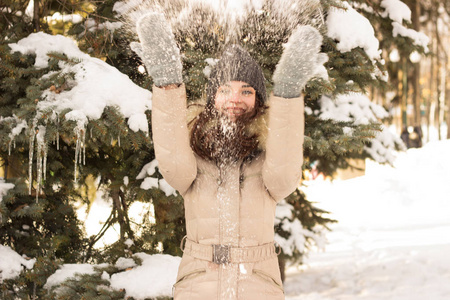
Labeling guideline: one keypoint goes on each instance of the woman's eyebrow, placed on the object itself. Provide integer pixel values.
(246, 86)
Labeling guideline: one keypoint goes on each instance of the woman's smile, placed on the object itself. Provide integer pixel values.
(235, 98)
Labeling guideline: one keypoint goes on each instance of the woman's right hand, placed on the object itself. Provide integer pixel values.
(158, 49)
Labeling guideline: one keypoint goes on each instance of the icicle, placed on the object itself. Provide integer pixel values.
(118, 140)
(30, 159)
(84, 147)
(57, 132)
(9, 146)
(38, 169)
(77, 151)
(57, 140)
(80, 151)
(41, 150)
(45, 161)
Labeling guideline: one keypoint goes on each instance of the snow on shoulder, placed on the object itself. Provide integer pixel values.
(96, 84)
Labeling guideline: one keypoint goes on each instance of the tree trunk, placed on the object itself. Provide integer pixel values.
(416, 69)
(430, 107)
(282, 265)
(36, 22)
(122, 213)
(404, 99)
(442, 59)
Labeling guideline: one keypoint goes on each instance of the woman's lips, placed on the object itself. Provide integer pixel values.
(235, 110)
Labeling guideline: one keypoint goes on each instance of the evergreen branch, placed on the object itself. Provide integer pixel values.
(108, 223)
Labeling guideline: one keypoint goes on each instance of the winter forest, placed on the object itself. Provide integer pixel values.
(86, 214)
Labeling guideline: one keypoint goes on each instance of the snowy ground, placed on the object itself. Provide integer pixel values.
(392, 241)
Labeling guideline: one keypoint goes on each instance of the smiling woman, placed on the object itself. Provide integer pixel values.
(232, 163)
(235, 99)
(232, 125)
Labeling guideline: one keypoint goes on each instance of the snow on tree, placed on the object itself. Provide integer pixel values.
(12, 264)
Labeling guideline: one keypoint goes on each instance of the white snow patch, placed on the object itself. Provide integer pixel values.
(352, 30)
(351, 107)
(12, 264)
(396, 10)
(419, 38)
(67, 271)
(96, 85)
(358, 108)
(148, 170)
(149, 183)
(392, 240)
(154, 278)
(124, 263)
(166, 188)
(4, 188)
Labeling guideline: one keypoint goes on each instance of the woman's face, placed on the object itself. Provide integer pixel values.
(235, 98)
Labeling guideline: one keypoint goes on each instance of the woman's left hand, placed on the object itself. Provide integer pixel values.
(298, 63)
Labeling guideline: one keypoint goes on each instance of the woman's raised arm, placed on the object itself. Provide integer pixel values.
(161, 57)
(284, 147)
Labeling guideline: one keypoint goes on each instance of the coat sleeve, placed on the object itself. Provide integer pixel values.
(282, 168)
(176, 160)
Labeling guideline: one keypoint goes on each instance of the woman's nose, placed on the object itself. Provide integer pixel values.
(235, 97)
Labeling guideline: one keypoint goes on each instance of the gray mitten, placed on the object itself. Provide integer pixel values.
(298, 63)
(158, 49)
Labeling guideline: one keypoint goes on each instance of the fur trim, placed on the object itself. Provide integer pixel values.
(257, 126)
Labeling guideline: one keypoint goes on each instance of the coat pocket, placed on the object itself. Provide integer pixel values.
(189, 275)
(269, 279)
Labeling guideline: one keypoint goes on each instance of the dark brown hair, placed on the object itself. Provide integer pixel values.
(216, 138)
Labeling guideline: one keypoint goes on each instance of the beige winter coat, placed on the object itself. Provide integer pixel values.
(233, 206)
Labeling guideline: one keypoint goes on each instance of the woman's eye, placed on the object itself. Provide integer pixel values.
(247, 92)
(224, 91)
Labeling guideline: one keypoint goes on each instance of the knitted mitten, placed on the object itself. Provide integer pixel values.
(158, 49)
(298, 62)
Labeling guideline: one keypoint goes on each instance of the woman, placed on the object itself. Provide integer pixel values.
(228, 163)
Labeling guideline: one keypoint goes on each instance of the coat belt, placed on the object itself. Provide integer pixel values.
(224, 254)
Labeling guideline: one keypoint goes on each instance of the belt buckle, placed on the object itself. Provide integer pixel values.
(221, 254)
